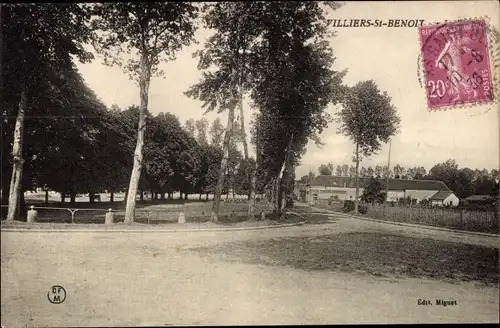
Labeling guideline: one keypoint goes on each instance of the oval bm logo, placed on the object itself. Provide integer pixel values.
(56, 294)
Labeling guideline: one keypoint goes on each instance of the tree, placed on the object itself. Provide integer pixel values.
(201, 127)
(282, 40)
(483, 184)
(374, 192)
(338, 170)
(222, 89)
(399, 171)
(345, 170)
(352, 171)
(495, 174)
(369, 119)
(153, 32)
(39, 41)
(191, 127)
(387, 172)
(243, 176)
(216, 133)
(370, 172)
(378, 171)
(411, 172)
(420, 173)
(465, 178)
(326, 169)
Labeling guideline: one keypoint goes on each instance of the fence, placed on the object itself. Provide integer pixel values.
(159, 214)
(480, 221)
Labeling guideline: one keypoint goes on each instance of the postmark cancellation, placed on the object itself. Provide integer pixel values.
(455, 60)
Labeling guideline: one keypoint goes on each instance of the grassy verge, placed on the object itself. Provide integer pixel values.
(469, 221)
(370, 253)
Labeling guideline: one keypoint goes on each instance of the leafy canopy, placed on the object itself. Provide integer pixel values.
(368, 117)
(152, 30)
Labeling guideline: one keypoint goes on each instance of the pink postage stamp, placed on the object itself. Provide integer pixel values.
(456, 63)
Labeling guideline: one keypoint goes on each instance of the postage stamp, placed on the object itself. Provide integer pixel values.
(456, 63)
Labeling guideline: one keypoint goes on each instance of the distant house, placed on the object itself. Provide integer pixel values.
(444, 198)
(325, 187)
(480, 199)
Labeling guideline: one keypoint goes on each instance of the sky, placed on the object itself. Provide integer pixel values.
(387, 55)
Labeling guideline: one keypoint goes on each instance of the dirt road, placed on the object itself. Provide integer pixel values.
(130, 279)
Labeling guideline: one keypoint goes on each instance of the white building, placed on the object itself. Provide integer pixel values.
(325, 187)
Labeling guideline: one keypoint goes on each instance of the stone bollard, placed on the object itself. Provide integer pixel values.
(182, 218)
(109, 217)
(263, 216)
(32, 214)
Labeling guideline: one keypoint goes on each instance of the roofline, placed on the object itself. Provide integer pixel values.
(383, 180)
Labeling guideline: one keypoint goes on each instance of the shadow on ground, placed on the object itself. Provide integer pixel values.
(315, 218)
(369, 253)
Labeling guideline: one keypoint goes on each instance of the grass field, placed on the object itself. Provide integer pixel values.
(477, 221)
(147, 212)
(384, 255)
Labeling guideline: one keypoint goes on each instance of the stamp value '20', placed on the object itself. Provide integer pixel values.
(456, 63)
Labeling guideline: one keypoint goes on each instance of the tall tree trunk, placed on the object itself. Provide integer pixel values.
(186, 195)
(141, 196)
(357, 180)
(276, 192)
(17, 165)
(253, 179)
(144, 79)
(242, 122)
(284, 185)
(200, 196)
(223, 165)
(180, 194)
(46, 196)
(279, 179)
(72, 196)
(91, 197)
(241, 47)
(63, 197)
(162, 197)
(111, 196)
(253, 187)
(206, 196)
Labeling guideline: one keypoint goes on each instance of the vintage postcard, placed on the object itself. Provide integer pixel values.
(249, 163)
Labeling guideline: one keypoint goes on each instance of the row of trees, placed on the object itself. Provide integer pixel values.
(380, 171)
(276, 54)
(64, 137)
(464, 182)
(89, 150)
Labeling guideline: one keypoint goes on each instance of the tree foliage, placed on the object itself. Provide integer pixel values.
(374, 192)
(367, 117)
(155, 30)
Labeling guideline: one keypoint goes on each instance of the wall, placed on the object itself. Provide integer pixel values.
(395, 195)
(326, 193)
(453, 199)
